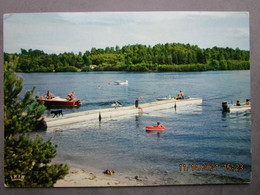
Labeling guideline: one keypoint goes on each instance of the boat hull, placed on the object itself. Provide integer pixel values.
(240, 108)
(154, 131)
(234, 108)
(121, 83)
(59, 102)
(155, 128)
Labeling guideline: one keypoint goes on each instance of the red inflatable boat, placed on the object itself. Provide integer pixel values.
(155, 128)
(57, 101)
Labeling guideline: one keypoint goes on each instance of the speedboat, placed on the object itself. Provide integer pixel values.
(234, 108)
(58, 101)
(121, 82)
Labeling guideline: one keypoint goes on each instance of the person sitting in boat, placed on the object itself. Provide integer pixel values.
(49, 95)
(238, 103)
(180, 95)
(71, 96)
(248, 102)
(159, 125)
(137, 104)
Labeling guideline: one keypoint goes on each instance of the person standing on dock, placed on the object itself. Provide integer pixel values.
(137, 104)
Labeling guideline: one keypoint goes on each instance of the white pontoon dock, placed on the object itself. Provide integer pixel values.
(122, 111)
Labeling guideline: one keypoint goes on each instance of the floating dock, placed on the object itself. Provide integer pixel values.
(115, 112)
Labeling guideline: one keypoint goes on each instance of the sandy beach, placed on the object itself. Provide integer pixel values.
(78, 177)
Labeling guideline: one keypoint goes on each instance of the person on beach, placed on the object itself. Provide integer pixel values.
(137, 104)
(49, 95)
(71, 96)
(238, 103)
(248, 102)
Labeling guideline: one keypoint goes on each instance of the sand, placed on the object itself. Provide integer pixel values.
(78, 177)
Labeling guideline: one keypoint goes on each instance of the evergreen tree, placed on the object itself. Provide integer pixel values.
(26, 160)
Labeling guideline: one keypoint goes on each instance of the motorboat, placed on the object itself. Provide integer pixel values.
(58, 101)
(121, 82)
(234, 108)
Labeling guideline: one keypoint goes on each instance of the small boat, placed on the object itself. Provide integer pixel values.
(121, 82)
(164, 98)
(155, 128)
(234, 108)
(154, 131)
(59, 102)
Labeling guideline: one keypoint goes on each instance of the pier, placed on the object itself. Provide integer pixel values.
(100, 114)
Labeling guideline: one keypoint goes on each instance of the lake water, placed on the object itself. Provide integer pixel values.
(197, 134)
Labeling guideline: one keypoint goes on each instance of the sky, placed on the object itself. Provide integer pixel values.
(79, 31)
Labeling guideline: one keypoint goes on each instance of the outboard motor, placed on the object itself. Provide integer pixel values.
(225, 107)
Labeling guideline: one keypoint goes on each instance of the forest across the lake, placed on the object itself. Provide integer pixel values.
(161, 57)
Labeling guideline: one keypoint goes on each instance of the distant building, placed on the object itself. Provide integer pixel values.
(93, 66)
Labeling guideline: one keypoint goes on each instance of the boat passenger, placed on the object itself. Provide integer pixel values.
(71, 96)
(180, 95)
(238, 103)
(49, 95)
(137, 104)
(159, 124)
(248, 102)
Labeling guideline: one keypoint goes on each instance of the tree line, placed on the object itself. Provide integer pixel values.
(138, 57)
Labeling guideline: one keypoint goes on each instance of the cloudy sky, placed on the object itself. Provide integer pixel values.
(75, 32)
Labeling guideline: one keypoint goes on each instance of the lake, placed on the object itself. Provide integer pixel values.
(195, 135)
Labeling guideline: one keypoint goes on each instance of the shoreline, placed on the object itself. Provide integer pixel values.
(80, 177)
(87, 176)
(92, 177)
